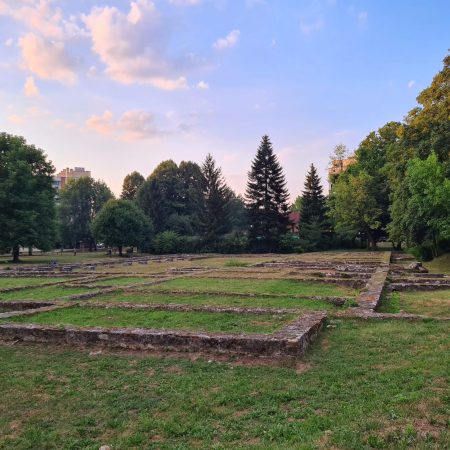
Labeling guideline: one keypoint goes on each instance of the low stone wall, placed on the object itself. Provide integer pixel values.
(292, 340)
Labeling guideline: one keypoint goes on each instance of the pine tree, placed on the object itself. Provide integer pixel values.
(215, 213)
(313, 223)
(313, 200)
(266, 199)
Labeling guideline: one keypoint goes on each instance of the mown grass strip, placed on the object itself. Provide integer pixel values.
(165, 320)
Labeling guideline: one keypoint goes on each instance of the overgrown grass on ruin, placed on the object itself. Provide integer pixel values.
(364, 384)
(143, 297)
(429, 303)
(6, 282)
(42, 293)
(164, 320)
(286, 287)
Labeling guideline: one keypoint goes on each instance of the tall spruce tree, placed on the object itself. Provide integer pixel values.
(266, 199)
(215, 212)
(313, 222)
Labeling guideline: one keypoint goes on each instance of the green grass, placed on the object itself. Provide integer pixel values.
(441, 264)
(65, 258)
(29, 281)
(43, 293)
(121, 281)
(235, 263)
(429, 303)
(286, 287)
(214, 300)
(183, 320)
(364, 385)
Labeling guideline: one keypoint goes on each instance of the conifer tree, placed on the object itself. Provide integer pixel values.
(215, 213)
(266, 199)
(313, 200)
(313, 222)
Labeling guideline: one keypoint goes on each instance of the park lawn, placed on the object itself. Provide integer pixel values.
(143, 296)
(166, 320)
(429, 303)
(285, 287)
(42, 293)
(30, 281)
(363, 385)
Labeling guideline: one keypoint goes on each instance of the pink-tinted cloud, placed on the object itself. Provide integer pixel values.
(46, 59)
(30, 89)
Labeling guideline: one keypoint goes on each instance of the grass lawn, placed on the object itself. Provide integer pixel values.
(121, 281)
(363, 385)
(183, 320)
(65, 258)
(429, 303)
(29, 281)
(215, 300)
(43, 293)
(287, 287)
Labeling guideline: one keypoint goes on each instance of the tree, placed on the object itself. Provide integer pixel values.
(266, 198)
(80, 201)
(27, 197)
(423, 217)
(131, 184)
(122, 223)
(313, 223)
(215, 214)
(354, 208)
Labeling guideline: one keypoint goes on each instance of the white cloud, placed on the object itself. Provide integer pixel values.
(38, 16)
(30, 89)
(229, 41)
(33, 112)
(103, 124)
(46, 59)
(411, 84)
(185, 2)
(9, 42)
(132, 125)
(16, 119)
(362, 17)
(308, 28)
(133, 46)
(202, 85)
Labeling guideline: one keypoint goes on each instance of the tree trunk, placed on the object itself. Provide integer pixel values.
(15, 254)
(120, 250)
(30, 251)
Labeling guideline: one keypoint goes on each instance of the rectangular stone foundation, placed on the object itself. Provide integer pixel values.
(292, 340)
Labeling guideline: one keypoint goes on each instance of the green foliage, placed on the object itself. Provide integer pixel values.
(353, 206)
(423, 215)
(79, 203)
(215, 213)
(27, 206)
(167, 242)
(122, 223)
(131, 185)
(266, 197)
(290, 243)
(171, 197)
(313, 222)
(235, 263)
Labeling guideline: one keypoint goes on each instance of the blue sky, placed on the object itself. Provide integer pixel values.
(117, 86)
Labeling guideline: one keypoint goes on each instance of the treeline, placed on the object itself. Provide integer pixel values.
(400, 184)
(397, 188)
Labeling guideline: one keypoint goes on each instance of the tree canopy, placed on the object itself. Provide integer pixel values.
(122, 223)
(79, 202)
(27, 211)
(131, 184)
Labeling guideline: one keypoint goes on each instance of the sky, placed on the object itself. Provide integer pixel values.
(117, 86)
